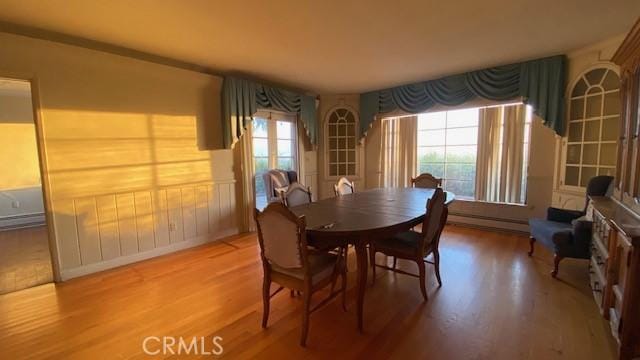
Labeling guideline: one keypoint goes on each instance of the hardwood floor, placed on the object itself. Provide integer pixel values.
(495, 303)
(25, 260)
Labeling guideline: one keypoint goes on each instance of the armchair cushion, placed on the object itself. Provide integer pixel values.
(564, 239)
(543, 231)
(562, 215)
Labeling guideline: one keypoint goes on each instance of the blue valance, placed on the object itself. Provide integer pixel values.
(242, 98)
(540, 83)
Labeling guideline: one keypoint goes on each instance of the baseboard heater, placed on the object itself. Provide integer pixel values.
(489, 222)
(21, 221)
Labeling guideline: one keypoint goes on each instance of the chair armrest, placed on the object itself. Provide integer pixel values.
(562, 215)
(582, 232)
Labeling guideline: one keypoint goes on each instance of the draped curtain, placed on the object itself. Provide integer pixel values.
(540, 83)
(398, 151)
(248, 180)
(499, 166)
(241, 99)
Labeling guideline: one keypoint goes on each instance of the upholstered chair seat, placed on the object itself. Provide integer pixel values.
(321, 266)
(565, 232)
(406, 243)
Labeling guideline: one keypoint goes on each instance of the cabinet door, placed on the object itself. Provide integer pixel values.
(623, 141)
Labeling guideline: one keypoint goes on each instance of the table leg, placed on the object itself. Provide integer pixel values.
(363, 268)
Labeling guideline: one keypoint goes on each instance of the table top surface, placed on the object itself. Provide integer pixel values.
(367, 212)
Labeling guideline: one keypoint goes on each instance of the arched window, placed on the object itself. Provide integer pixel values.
(341, 142)
(594, 117)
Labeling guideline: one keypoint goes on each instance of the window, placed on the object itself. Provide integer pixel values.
(341, 147)
(447, 148)
(274, 147)
(594, 117)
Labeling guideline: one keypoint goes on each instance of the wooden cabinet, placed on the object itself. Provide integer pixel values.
(627, 183)
(614, 270)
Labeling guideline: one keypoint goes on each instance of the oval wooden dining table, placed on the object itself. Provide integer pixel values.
(363, 217)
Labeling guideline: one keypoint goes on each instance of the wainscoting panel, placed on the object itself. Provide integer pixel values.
(101, 231)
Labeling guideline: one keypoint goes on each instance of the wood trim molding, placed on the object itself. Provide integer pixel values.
(628, 54)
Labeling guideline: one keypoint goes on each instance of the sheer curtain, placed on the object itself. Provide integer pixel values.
(398, 151)
(499, 164)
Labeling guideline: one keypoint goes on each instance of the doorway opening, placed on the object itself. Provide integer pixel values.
(25, 257)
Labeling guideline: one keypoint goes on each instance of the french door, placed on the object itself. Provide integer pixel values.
(274, 147)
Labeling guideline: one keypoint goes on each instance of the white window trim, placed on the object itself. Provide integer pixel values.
(327, 150)
(565, 138)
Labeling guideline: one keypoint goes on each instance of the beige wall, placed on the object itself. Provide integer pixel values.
(124, 140)
(18, 151)
(580, 61)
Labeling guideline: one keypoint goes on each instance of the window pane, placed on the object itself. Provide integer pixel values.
(573, 154)
(351, 169)
(333, 170)
(261, 164)
(430, 154)
(466, 117)
(577, 109)
(590, 154)
(611, 81)
(259, 127)
(284, 130)
(610, 129)
(612, 103)
(592, 130)
(462, 136)
(595, 76)
(594, 106)
(351, 130)
(351, 156)
(608, 154)
(461, 171)
(580, 88)
(571, 175)
(333, 156)
(606, 171)
(260, 147)
(285, 147)
(435, 169)
(587, 174)
(461, 154)
(575, 132)
(436, 120)
(332, 130)
(431, 137)
(285, 163)
(464, 189)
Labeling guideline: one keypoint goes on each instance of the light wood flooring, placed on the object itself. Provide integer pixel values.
(25, 260)
(495, 303)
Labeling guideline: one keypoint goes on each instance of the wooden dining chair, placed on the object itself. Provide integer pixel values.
(287, 261)
(296, 194)
(426, 181)
(344, 187)
(416, 246)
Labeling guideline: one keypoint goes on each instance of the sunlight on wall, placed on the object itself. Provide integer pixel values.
(18, 156)
(93, 153)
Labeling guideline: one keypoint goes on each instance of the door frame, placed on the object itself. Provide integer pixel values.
(42, 160)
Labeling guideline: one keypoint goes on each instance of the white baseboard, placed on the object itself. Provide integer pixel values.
(129, 259)
(21, 221)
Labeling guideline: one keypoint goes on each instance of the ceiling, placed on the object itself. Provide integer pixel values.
(347, 46)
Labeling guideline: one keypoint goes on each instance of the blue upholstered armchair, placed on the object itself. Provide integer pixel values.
(564, 232)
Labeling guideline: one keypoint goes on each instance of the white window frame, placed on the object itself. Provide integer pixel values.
(328, 150)
(565, 139)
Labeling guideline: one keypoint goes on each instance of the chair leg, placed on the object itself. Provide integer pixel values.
(305, 317)
(344, 289)
(436, 264)
(266, 298)
(395, 262)
(422, 278)
(556, 262)
(532, 242)
(372, 260)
